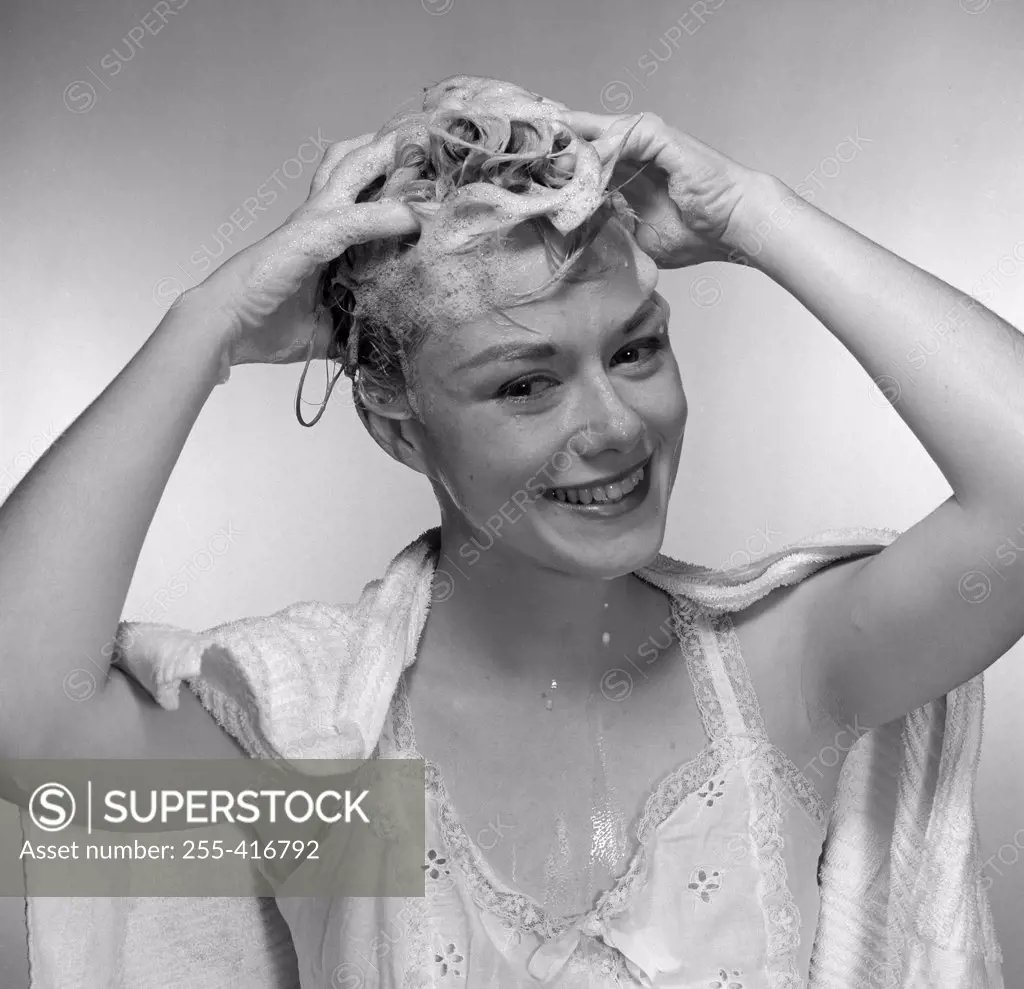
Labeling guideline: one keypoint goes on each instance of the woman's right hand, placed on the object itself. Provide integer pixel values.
(266, 292)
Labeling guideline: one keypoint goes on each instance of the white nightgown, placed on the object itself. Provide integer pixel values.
(720, 893)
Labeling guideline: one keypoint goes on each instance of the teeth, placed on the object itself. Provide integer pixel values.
(603, 494)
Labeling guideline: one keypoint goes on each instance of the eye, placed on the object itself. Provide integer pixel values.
(643, 349)
(517, 391)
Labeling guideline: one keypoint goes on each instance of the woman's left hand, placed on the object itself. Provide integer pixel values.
(690, 194)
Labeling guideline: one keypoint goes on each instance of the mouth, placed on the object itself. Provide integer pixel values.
(612, 495)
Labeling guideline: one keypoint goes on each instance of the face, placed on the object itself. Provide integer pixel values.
(557, 437)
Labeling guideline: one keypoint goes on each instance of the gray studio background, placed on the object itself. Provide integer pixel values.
(135, 135)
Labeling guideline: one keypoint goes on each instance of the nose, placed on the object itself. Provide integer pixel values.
(611, 422)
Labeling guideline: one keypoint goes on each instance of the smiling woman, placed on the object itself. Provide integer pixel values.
(485, 271)
(478, 400)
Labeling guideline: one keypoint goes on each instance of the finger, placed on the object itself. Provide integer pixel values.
(390, 218)
(591, 126)
(332, 156)
(614, 136)
(333, 234)
(357, 170)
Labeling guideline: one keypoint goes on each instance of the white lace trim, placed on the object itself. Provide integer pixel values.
(784, 768)
(763, 770)
(687, 619)
(520, 911)
(781, 915)
(418, 933)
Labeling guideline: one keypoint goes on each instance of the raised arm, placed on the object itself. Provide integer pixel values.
(945, 600)
(72, 530)
(883, 635)
(70, 537)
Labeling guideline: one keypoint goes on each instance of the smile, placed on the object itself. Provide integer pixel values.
(614, 492)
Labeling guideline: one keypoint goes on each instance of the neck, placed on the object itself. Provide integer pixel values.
(510, 621)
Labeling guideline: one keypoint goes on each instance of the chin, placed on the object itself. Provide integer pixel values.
(610, 565)
(606, 543)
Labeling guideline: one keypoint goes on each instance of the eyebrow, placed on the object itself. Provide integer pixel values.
(540, 351)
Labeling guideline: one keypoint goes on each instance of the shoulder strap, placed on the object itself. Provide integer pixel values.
(725, 694)
(703, 598)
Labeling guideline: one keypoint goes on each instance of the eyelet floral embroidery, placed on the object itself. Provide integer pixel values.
(440, 880)
(448, 960)
(436, 866)
(704, 882)
(724, 981)
(711, 791)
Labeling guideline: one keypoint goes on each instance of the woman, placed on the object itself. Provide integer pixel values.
(533, 383)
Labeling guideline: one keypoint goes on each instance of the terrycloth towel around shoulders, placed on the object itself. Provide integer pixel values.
(901, 901)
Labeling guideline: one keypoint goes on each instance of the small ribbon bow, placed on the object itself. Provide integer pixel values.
(548, 961)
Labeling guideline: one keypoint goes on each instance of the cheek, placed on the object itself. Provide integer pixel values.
(664, 403)
(464, 457)
(679, 410)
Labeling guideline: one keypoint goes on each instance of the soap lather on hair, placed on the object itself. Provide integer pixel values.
(481, 157)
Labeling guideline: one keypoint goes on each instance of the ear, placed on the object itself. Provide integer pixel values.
(392, 423)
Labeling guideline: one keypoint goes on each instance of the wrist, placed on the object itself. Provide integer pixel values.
(236, 299)
(765, 205)
(204, 328)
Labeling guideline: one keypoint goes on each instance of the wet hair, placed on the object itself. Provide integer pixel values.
(454, 148)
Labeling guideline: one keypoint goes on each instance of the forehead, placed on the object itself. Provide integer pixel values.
(477, 310)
